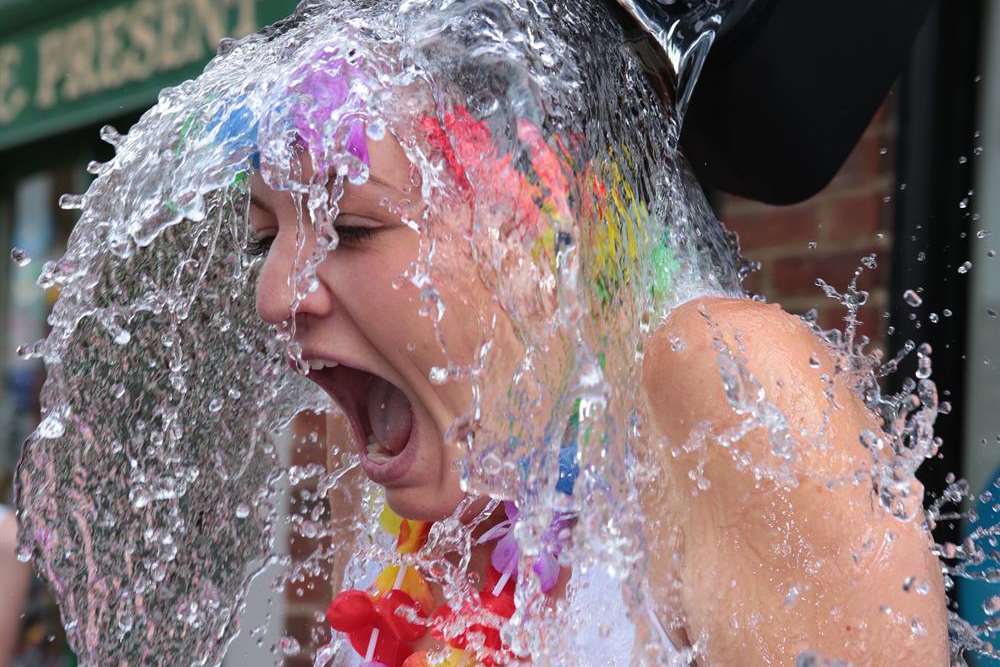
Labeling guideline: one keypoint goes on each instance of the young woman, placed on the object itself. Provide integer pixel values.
(769, 553)
(759, 573)
(479, 240)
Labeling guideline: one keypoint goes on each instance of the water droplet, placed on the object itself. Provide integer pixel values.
(912, 299)
(933, 317)
(226, 45)
(20, 256)
(812, 245)
(289, 646)
(215, 404)
(376, 130)
(946, 312)
(242, 511)
(51, 427)
(991, 253)
(992, 313)
(123, 337)
(813, 361)
(438, 375)
(965, 267)
(110, 135)
(71, 202)
(140, 498)
(492, 465)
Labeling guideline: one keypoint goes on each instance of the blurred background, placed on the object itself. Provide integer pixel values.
(921, 191)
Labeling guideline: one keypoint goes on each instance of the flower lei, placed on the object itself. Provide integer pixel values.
(382, 625)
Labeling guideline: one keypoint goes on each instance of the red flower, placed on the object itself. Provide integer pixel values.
(463, 140)
(471, 155)
(358, 614)
(502, 605)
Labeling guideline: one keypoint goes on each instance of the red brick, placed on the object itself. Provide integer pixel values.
(754, 283)
(300, 548)
(309, 439)
(857, 217)
(796, 276)
(309, 588)
(772, 226)
(866, 163)
(309, 633)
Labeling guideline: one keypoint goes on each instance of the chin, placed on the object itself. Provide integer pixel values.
(422, 503)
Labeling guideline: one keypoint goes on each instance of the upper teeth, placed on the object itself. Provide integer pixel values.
(319, 364)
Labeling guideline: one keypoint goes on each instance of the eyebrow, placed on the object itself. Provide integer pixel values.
(366, 206)
(373, 178)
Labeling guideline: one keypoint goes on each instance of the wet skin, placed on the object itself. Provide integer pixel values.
(740, 546)
(359, 319)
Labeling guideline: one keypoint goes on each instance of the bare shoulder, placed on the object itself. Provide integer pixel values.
(732, 361)
(765, 478)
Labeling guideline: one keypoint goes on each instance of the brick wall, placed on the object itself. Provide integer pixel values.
(308, 597)
(826, 236)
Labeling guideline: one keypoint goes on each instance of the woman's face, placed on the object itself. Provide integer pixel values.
(362, 330)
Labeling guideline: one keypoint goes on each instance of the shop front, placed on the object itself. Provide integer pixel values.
(67, 68)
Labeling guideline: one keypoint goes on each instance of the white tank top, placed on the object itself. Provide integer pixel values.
(607, 635)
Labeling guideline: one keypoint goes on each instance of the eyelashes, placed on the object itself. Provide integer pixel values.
(355, 234)
(260, 246)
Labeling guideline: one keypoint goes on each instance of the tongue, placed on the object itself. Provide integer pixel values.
(389, 415)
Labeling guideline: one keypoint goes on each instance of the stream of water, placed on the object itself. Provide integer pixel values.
(150, 491)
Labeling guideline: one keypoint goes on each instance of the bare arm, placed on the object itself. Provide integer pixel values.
(14, 579)
(767, 569)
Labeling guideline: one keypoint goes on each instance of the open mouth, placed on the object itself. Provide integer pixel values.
(380, 415)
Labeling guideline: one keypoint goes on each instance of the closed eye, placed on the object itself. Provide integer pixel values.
(355, 235)
(348, 235)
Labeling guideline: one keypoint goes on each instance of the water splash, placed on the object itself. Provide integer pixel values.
(151, 491)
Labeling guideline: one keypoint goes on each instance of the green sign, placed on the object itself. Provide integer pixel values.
(109, 57)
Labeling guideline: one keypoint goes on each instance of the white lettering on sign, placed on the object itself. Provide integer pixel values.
(121, 45)
(13, 98)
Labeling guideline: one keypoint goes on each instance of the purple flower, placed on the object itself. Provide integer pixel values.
(507, 551)
(326, 87)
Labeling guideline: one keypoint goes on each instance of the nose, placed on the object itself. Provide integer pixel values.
(281, 276)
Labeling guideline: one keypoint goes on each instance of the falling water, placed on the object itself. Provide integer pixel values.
(151, 491)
